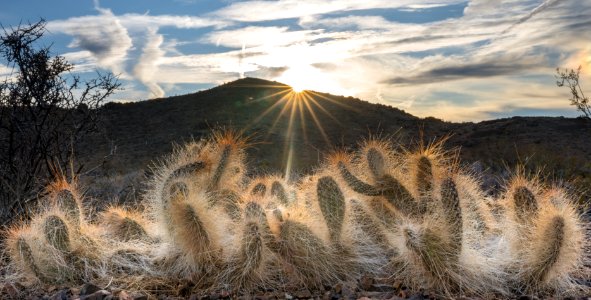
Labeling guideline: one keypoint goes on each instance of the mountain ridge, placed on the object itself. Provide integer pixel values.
(145, 131)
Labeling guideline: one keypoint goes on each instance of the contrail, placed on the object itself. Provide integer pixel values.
(534, 12)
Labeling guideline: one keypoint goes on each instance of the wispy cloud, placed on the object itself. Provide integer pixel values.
(103, 35)
(145, 69)
(253, 11)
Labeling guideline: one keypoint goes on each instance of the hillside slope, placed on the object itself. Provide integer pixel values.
(145, 131)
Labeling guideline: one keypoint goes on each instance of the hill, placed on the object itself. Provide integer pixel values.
(142, 132)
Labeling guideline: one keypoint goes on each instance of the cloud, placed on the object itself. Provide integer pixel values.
(490, 54)
(457, 72)
(254, 36)
(255, 11)
(146, 67)
(530, 15)
(104, 36)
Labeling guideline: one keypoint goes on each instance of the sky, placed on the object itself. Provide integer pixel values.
(454, 60)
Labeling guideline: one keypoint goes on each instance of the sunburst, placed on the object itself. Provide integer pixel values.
(301, 108)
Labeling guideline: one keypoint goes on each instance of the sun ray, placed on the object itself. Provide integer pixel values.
(343, 105)
(316, 121)
(317, 104)
(299, 100)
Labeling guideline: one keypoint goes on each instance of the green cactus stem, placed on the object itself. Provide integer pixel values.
(332, 205)
(57, 233)
(278, 191)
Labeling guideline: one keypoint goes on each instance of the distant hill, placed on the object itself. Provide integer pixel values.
(144, 131)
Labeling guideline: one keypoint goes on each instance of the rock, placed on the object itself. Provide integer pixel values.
(417, 296)
(138, 296)
(88, 288)
(382, 288)
(98, 295)
(288, 296)
(377, 295)
(60, 295)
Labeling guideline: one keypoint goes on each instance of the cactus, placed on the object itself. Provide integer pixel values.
(431, 254)
(18, 243)
(229, 201)
(307, 254)
(414, 216)
(355, 183)
(252, 247)
(526, 206)
(259, 190)
(452, 212)
(221, 167)
(278, 191)
(375, 162)
(424, 176)
(332, 206)
(370, 227)
(553, 234)
(125, 225)
(26, 256)
(56, 233)
(68, 203)
(399, 197)
(196, 230)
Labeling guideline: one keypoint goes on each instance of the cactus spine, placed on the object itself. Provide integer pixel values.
(279, 192)
(56, 233)
(332, 206)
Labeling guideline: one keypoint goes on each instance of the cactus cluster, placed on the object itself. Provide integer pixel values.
(411, 216)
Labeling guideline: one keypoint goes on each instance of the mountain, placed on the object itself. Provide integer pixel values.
(144, 131)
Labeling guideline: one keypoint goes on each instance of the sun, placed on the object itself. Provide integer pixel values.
(305, 77)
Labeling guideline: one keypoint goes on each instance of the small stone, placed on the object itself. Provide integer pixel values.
(417, 296)
(288, 296)
(60, 295)
(225, 294)
(88, 288)
(377, 295)
(139, 297)
(98, 295)
(123, 295)
(382, 288)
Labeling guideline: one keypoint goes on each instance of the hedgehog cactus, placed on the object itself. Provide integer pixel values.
(411, 215)
(550, 240)
(332, 206)
(125, 225)
(56, 233)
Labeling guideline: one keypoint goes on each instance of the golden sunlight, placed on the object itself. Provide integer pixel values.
(302, 108)
(306, 77)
